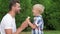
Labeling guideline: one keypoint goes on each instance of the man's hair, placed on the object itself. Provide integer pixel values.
(12, 3)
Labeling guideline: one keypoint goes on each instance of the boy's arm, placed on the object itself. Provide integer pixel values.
(33, 26)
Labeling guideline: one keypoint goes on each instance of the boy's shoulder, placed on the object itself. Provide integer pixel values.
(38, 17)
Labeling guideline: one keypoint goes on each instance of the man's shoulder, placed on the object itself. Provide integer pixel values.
(6, 17)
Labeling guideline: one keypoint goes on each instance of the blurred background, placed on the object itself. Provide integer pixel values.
(51, 14)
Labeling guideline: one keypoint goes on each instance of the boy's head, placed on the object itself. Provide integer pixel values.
(15, 6)
(38, 9)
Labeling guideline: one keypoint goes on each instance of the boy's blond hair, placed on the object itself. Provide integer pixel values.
(40, 6)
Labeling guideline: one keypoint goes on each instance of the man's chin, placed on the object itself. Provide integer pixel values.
(18, 12)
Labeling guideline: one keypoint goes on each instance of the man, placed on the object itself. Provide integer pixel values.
(37, 26)
(8, 25)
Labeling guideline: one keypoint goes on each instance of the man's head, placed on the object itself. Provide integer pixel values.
(38, 9)
(15, 6)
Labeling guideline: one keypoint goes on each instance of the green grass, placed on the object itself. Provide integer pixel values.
(51, 32)
(45, 32)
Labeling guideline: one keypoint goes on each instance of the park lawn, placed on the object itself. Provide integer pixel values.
(45, 32)
(51, 32)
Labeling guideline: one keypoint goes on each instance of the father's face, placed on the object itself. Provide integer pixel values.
(17, 8)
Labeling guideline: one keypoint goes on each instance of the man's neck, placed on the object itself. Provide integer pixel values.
(12, 13)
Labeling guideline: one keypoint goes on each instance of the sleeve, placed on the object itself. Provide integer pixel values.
(7, 23)
(38, 22)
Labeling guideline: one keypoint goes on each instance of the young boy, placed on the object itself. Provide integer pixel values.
(37, 26)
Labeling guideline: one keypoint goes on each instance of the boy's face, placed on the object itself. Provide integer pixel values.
(35, 11)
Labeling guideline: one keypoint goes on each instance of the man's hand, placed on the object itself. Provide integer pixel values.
(24, 25)
(28, 19)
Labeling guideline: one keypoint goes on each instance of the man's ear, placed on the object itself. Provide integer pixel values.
(13, 7)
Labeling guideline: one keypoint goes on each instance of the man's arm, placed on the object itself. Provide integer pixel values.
(8, 31)
(22, 27)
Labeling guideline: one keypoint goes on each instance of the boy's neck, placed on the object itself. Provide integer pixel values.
(37, 15)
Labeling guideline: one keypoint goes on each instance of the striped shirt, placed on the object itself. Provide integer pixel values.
(38, 21)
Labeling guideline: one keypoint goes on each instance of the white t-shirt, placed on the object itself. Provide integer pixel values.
(8, 22)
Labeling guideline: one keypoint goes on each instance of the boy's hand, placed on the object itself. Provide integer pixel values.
(33, 26)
